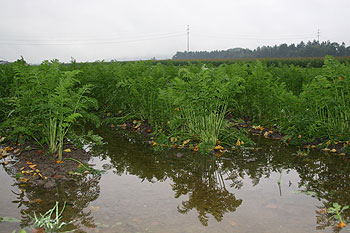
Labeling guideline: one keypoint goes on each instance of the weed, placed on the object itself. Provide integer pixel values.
(47, 222)
(337, 212)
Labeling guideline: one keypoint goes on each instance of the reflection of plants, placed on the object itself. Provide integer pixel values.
(78, 194)
(8, 219)
(302, 153)
(337, 213)
(205, 187)
(209, 199)
(85, 167)
(50, 224)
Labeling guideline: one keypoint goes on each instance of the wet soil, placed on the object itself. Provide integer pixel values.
(145, 129)
(36, 167)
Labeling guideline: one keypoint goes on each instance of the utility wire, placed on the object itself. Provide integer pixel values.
(254, 35)
(247, 38)
(98, 37)
(97, 43)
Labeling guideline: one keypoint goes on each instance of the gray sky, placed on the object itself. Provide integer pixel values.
(90, 30)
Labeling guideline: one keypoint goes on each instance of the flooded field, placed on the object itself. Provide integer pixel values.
(272, 189)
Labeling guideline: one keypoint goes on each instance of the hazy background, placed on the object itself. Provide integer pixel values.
(137, 29)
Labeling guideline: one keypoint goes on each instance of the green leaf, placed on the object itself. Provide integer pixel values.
(9, 219)
(72, 117)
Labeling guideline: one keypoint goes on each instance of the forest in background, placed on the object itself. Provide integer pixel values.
(309, 49)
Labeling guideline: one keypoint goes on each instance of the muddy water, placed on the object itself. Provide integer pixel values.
(145, 191)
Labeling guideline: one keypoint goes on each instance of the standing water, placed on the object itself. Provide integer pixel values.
(271, 189)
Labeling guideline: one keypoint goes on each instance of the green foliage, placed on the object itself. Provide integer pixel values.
(46, 102)
(47, 222)
(337, 211)
(8, 219)
(20, 231)
(265, 99)
(64, 107)
(298, 52)
(191, 101)
(324, 104)
(199, 102)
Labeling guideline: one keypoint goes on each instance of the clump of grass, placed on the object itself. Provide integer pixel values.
(48, 222)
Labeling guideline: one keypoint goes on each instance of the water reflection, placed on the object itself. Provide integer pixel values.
(195, 176)
(207, 195)
(328, 178)
(77, 194)
(203, 179)
(205, 185)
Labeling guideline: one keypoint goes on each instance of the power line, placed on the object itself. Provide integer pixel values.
(88, 39)
(318, 35)
(97, 43)
(254, 35)
(77, 35)
(247, 38)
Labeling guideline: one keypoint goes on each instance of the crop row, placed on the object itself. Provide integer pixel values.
(193, 102)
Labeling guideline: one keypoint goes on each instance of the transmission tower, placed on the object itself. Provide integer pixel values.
(188, 38)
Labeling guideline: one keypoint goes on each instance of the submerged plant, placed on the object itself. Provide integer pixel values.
(337, 213)
(302, 153)
(47, 222)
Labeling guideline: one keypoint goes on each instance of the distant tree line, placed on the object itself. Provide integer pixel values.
(310, 49)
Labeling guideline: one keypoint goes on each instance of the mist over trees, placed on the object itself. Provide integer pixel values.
(309, 49)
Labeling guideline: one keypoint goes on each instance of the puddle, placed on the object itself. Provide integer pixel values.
(145, 191)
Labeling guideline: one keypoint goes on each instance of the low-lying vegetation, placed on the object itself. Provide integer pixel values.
(192, 105)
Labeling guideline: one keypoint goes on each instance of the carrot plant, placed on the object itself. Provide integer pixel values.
(326, 101)
(64, 108)
(202, 101)
(180, 102)
(263, 96)
(46, 103)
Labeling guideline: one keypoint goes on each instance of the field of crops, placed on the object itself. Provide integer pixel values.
(199, 106)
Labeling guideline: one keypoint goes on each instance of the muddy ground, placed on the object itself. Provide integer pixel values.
(34, 166)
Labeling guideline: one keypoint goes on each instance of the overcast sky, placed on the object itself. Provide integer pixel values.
(91, 30)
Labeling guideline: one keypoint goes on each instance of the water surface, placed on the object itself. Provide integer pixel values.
(147, 191)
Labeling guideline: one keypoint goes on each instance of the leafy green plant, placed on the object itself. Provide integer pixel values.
(188, 101)
(65, 105)
(49, 223)
(337, 212)
(20, 231)
(45, 104)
